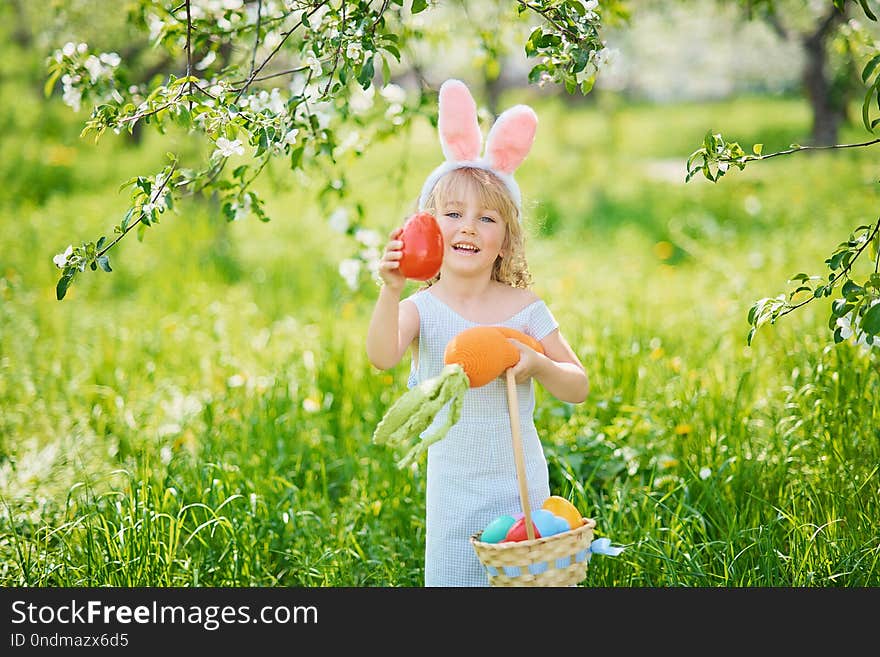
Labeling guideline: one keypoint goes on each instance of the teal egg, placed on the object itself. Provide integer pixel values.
(545, 522)
(496, 530)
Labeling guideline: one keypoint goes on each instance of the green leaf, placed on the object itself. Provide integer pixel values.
(871, 320)
(386, 72)
(419, 6)
(104, 263)
(851, 289)
(365, 77)
(577, 6)
(296, 157)
(866, 119)
(50, 83)
(840, 307)
(868, 71)
(834, 261)
(63, 284)
(535, 73)
(867, 10)
(757, 148)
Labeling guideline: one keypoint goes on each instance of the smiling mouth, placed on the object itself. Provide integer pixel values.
(465, 248)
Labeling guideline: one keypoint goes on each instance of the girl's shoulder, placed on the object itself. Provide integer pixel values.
(516, 296)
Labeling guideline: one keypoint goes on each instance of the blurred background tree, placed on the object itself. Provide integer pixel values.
(308, 82)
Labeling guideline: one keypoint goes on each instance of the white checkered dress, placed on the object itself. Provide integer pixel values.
(471, 475)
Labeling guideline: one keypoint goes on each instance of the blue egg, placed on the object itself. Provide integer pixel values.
(561, 524)
(496, 530)
(545, 522)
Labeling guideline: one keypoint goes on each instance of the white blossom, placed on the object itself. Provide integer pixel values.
(315, 65)
(243, 209)
(226, 148)
(348, 142)
(339, 220)
(354, 51)
(155, 25)
(61, 259)
(290, 137)
(394, 109)
(361, 100)
(69, 49)
(207, 60)
(94, 67)
(265, 100)
(368, 237)
(350, 270)
(72, 97)
(850, 329)
(110, 59)
(393, 93)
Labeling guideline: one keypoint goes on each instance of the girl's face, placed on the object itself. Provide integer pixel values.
(473, 235)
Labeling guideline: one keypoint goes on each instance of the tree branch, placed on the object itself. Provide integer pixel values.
(543, 12)
(843, 274)
(281, 41)
(189, 52)
(153, 199)
(795, 149)
(257, 39)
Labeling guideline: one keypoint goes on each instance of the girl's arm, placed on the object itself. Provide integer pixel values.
(395, 323)
(393, 327)
(558, 369)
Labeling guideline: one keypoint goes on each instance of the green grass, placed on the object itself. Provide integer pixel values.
(202, 415)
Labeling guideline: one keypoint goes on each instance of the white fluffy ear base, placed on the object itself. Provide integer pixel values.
(460, 136)
(511, 138)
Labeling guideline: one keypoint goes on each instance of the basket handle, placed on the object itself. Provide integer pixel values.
(513, 410)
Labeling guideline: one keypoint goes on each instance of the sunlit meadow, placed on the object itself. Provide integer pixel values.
(202, 415)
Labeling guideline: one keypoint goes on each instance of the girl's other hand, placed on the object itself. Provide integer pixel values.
(390, 262)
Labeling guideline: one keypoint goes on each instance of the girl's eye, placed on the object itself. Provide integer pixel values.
(453, 215)
(488, 219)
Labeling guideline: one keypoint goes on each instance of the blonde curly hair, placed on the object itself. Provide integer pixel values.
(512, 269)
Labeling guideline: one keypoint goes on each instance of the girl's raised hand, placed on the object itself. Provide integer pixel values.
(390, 262)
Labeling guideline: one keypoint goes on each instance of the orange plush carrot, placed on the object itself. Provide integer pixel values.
(484, 352)
(473, 358)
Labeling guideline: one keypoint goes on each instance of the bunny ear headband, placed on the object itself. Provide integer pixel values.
(507, 145)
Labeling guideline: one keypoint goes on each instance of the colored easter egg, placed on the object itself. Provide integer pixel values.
(422, 250)
(565, 509)
(517, 531)
(546, 522)
(561, 524)
(496, 530)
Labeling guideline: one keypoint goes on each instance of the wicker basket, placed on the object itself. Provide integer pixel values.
(557, 560)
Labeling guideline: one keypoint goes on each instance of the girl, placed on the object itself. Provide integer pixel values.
(484, 278)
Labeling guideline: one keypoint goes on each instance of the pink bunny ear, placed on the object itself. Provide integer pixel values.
(510, 139)
(460, 136)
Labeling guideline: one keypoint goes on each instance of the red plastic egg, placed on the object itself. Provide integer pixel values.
(517, 531)
(422, 247)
